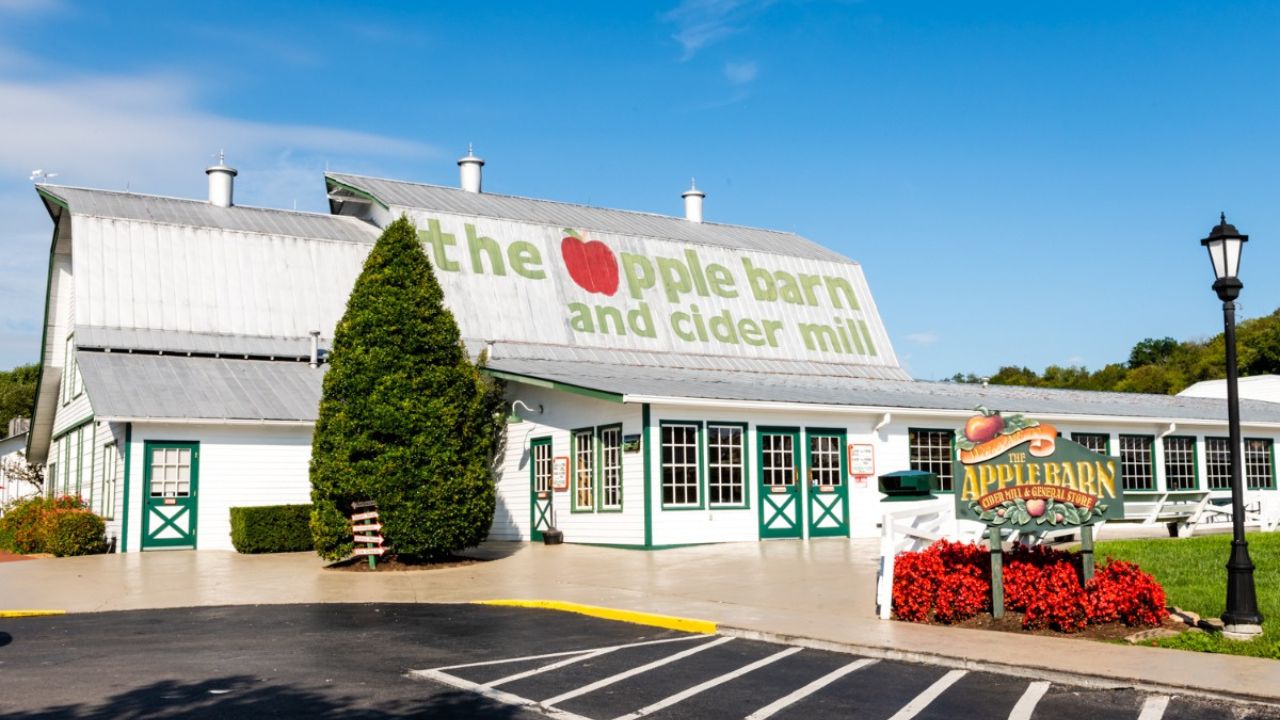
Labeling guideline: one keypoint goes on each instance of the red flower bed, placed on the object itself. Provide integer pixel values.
(950, 582)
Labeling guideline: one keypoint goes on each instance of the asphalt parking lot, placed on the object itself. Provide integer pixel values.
(467, 661)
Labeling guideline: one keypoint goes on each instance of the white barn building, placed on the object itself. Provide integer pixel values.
(679, 381)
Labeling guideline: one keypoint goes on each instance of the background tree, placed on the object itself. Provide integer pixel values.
(1160, 365)
(17, 393)
(406, 420)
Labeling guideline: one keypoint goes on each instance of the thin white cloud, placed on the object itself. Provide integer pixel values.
(29, 6)
(700, 23)
(741, 73)
(923, 338)
(149, 131)
(149, 134)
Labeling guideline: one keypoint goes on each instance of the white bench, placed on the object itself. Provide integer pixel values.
(1261, 510)
(1182, 510)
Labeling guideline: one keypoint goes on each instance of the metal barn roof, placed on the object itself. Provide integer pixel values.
(198, 213)
(396, 193)
(169, 387)
(632, 382)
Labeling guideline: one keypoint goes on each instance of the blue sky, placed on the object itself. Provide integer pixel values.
(1023, 182)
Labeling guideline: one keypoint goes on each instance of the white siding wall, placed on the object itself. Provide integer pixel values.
(239, 466)
(563, 413)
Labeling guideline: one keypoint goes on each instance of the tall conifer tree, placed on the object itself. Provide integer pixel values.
(406, 419)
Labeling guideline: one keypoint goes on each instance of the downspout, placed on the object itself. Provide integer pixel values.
(124, 520)
(315, 348)
(885, 420)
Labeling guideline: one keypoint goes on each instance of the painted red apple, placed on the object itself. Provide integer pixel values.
(590, 264)
(1035, 507)
(981, 428)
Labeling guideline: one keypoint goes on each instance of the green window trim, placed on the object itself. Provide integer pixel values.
(1271, 464)
(698, 466)
(744, 481)
(1151, 450)
(124, 511)
(928, 465)
(1219, 459)
(600, 469)
(110, 465)
(647, 450)
(1076, 437)
(575, 506)
(1195, 461)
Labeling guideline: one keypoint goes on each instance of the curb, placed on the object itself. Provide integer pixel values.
(668, 622)
(30, 613)
(1062, 677)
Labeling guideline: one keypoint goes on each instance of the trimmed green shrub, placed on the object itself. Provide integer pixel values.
(271, 528)
(74, 532)
(406, 419)
(23, 527)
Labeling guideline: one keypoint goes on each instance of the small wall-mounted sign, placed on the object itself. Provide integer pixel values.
(862, 459)
(631, 443)
(560, 473)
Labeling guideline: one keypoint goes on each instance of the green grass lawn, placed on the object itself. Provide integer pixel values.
(1194, 575)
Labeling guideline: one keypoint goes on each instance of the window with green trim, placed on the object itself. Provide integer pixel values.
(1137, 462)
(726, 472)
(110, 469)
(680, 480)
(1217, 462)
(931, 451)
(1258, 468)
(1180, 463)
(584, 477)
(1094, 442)
(611, 468)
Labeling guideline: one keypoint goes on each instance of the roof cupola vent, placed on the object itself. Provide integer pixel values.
(469, 170)
(221, 182)
(693, 202)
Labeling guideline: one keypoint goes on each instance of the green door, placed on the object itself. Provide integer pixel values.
(778, 450)
(828, 484)
(540, 487)
(171, 475)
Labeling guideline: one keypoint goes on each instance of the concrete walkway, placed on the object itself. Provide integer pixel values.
(819, 593)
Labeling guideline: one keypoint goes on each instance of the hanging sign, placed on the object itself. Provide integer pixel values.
(560, 473)
(1014, 472)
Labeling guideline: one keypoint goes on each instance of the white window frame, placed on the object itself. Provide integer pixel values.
(681, 475)
(718, 470)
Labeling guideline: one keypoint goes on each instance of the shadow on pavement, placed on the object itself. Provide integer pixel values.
(5, 639)
(245, 697)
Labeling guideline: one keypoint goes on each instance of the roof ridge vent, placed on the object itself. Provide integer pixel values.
(221, 182)
(693, 202)
(469, 171)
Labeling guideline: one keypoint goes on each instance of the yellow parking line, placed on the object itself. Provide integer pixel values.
(29, 613)
(705, 627)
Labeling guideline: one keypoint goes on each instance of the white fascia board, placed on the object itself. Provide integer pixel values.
(206, 421)
(923, 412)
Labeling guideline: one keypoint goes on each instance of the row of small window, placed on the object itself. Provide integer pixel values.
(726, 468)
(931, 450)
(72, 384)
(71, 466)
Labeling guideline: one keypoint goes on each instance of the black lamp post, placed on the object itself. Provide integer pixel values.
(1242, 618)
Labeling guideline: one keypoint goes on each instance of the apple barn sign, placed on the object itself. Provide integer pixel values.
(1017, 474)
(625, 292)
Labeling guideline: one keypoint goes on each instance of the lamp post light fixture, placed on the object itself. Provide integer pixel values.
(1241, 620)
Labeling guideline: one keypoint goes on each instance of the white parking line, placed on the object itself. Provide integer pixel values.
(930, 694)
(551, 666)
(703, 687)
(495, 695)
(813, 687)
(610, 648)
(1154, 707)
(631, 673)
(1027, 703)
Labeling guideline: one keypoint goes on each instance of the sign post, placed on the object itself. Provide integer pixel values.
(366, 530)
(1016, 473)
